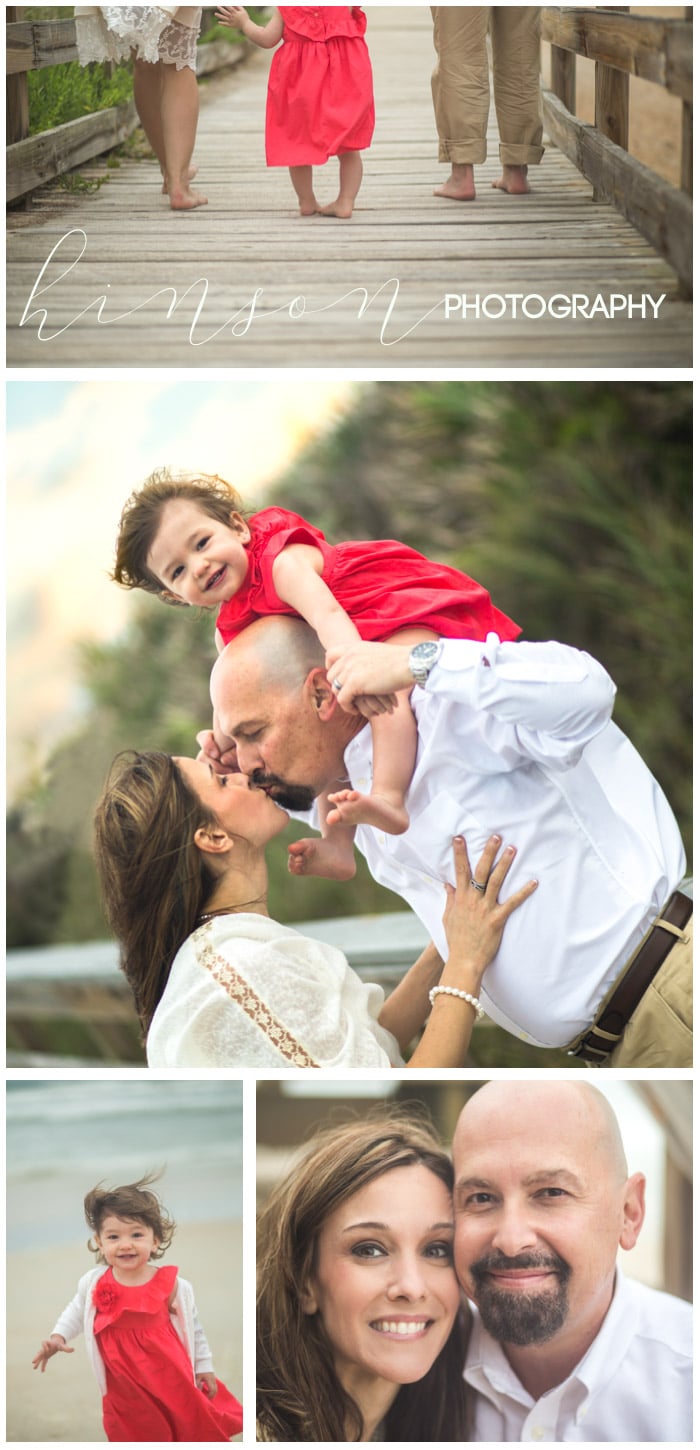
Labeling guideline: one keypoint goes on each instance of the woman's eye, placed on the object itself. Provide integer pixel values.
(440, 1250)
(368, 1251)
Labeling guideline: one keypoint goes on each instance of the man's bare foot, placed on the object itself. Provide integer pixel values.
(321, 856)
(514, 181)
(190, 174)
(368, 810)
(456, 190)
(183, 198)
(339, 208)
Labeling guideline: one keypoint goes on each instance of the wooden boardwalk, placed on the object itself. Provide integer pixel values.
(114, 279)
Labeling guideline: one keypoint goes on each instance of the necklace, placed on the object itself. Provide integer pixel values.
(225, 910)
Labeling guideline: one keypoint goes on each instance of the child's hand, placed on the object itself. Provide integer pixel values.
(370, 705)
(207, 1383)
(223, 762)
(368, 668)
(53, 1345)
(233, 16)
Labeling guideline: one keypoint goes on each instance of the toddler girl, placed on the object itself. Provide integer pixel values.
(144, 1341)
(186, 540)
(319, 96)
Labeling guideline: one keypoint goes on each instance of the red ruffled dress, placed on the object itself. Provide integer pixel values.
(319, 96)
(384, 586)
(151, 1393)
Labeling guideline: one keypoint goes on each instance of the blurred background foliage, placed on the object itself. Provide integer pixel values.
(571, 502)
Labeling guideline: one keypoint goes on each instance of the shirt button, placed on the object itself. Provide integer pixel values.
(537, 1433)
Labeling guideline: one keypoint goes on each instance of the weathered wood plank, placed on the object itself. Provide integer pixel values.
(654, 49)
(41, 158)
(33, 46)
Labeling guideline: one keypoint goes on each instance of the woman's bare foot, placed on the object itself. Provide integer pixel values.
(190, 174)
(459, 185)
(514, 181)
(339, 208)
(322, 856)
(368, 810)
(183, 198)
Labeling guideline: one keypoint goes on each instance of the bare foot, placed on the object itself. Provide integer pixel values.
(182, 198)
(309, 208)
(341, 209)
(321, 856)
(457, 190)
(191, 172)
(514, 181)
(368, 810)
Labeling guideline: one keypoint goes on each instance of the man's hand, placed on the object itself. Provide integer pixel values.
(223, 761)
(371, 670)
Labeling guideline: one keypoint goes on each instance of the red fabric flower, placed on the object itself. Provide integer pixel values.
(105, 1295)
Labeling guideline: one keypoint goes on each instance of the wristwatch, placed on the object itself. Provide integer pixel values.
(422, 658)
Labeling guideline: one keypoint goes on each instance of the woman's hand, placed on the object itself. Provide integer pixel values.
(207, 1384)
(55, 1344)
(474, 918)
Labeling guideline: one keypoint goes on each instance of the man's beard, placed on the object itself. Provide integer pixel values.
(518, 1317)
(291, 797)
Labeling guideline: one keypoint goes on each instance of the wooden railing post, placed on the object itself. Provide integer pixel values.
(612, 92)
(687, 134)
(17, 113)
(564, 77)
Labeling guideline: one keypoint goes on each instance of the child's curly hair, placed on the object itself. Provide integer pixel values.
(131, 1201)
(142, 514)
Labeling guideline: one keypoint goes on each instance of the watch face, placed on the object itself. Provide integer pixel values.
(425, 652)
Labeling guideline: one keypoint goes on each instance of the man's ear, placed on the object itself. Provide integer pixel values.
(320, 693)
(212, 840)
(633, 1210)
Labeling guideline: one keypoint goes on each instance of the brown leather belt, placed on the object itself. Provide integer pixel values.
(611, 1020)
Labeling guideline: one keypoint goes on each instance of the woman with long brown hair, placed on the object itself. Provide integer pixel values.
(361, 1331)
(217, 983)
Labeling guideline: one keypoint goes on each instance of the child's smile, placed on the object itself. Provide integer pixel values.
(197, 558)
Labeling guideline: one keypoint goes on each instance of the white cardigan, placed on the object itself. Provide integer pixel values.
(80, 1315)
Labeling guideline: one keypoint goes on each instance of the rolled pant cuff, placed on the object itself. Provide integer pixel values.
(520, 155)
(463, 153)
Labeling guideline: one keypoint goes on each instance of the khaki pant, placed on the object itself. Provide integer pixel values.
(461, 82)
(660, 1030)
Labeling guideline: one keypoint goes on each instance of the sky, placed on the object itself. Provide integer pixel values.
(74, 453)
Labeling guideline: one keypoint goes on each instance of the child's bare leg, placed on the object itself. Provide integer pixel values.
(514, 181)
(179, 115)
(330, 855)
(350, 178)
(303, 183)
(459, 185)
(394, 739)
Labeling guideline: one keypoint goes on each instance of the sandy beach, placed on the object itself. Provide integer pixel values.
(64, 1403)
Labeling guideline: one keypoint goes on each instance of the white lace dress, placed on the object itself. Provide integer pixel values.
(245, 991)
(152, 32)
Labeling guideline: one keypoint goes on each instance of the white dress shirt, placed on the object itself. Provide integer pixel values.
(517, 739)
(634, 1383)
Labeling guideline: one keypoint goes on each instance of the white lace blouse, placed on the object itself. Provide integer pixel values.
(245, 991)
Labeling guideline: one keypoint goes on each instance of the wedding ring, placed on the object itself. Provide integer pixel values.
(336, 685)
(477, 886)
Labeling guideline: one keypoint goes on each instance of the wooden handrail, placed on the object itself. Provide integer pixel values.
(653, 49)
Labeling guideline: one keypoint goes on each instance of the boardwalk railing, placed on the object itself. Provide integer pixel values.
(34, 160)
(624, 45)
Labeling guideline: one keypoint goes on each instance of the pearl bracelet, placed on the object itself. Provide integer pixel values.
(455, 992)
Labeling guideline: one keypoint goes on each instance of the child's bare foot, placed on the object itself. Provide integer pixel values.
(309, 208)
(368, 810)
(322, 856)
(459, 185)
(183, 198)
(514, 181)
(339, 208)
(190, 174)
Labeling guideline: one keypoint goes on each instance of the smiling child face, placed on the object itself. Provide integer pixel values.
(198, 559)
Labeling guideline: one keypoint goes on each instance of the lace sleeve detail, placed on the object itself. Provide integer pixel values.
(249, 1002)
(113, 32)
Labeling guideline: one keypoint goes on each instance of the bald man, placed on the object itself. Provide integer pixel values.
(563, 1347)
(516, 740)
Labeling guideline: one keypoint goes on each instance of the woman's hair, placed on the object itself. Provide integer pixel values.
(154, 879)
(132, 1201)
(299, 1394)
(141, 519)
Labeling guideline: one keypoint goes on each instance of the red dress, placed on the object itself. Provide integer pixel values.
(383, 585)
(151, 1393)
(319, 94)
